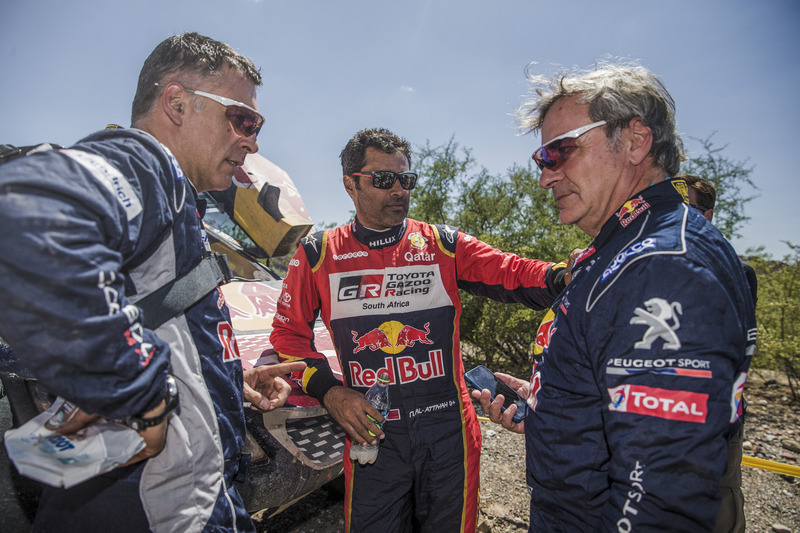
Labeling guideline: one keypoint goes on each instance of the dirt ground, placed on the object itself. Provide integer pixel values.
(772, 500)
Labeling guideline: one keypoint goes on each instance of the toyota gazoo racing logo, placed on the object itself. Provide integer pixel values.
(632, 209)
(390, 284)
(680, 405)
(391, 337)
(545, 332)
(360, 287)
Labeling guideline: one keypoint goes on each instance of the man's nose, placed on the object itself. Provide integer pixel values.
(548, 178)
(397, 188)
(249, 144)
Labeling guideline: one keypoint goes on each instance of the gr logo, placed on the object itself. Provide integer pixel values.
(360, 287)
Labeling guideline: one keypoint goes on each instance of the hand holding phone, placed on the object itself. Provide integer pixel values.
(481, 378)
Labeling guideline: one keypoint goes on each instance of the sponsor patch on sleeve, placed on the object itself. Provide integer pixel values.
(111, 178)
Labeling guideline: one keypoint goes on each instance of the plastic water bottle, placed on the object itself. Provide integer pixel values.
(378, 397)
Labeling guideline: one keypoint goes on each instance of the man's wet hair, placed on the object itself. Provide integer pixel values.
(189, 59)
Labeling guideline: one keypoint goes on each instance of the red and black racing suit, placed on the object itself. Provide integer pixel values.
(390, 300)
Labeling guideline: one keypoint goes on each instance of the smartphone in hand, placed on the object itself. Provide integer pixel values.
(481, 378)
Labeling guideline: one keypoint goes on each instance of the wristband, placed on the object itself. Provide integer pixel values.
(139, 423)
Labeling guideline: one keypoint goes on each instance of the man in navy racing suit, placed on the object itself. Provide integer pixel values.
(93, 229)
(387, 288)
(639, 365)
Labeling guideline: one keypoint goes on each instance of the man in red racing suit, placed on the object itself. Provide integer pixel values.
(390, 300)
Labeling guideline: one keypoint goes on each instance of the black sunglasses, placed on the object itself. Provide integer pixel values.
(700, 208)
(384, 179)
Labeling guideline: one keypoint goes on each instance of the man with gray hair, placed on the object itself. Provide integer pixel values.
(640, 363)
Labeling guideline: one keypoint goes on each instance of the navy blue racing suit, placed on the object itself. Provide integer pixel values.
(638, 375)
(89, 231)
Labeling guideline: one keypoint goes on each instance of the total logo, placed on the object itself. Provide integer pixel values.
(401, 370)
(391, 337)
(632, 209)
(662, 403)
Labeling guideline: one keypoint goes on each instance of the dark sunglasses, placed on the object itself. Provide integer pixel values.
(700, 208)
(384, 179)
(245, 120)
(555, 152)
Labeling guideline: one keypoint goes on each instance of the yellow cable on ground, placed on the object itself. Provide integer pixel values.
(772, 466)
(753, 462)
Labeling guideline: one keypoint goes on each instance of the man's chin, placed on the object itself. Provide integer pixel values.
(392, 221)
(566, 217)
(223, 182)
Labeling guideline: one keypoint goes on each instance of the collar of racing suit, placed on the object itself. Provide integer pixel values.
(378, 239)
(636, 207)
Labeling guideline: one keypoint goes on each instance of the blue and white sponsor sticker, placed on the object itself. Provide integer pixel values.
(621, 257)
(111, 178)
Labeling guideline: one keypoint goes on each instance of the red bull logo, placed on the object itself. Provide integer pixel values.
(374, 340)
(545, 332)
(366, 377)
(410, 335)
(632, 209)
(392, 337)
(409, 370)
(230, 348)
(401, 370)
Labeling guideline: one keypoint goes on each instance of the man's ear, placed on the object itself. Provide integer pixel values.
(349, 185)
(641, 140)
(173, 103)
